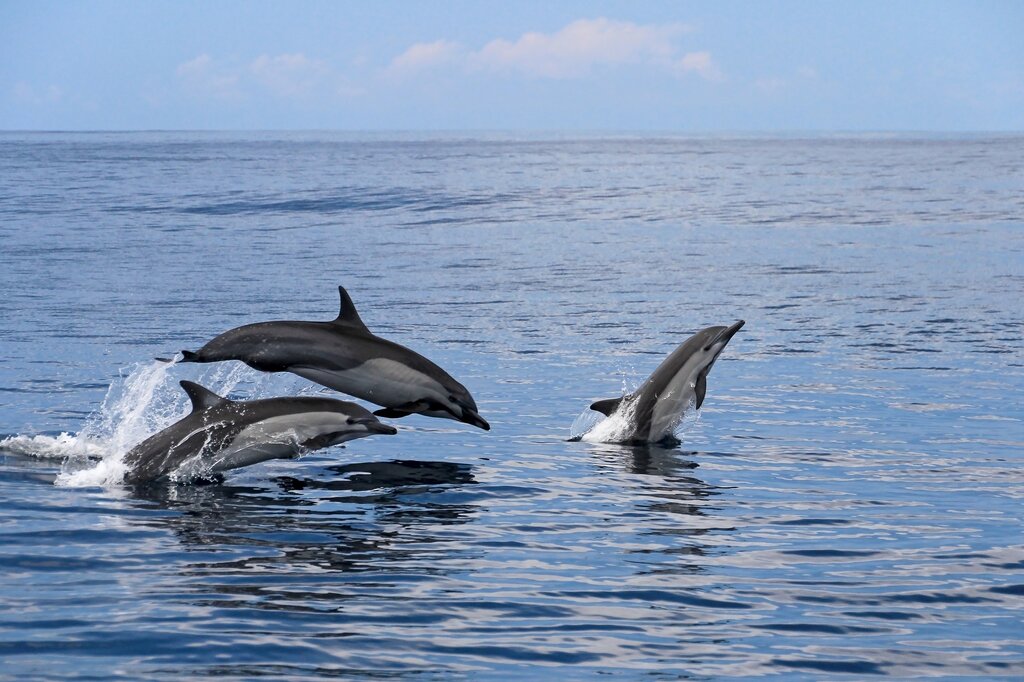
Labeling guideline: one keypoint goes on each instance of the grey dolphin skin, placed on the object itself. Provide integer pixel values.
(344, 355)
(221, 434)
(655, 409)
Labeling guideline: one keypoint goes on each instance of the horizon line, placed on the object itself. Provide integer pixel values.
(620, 131)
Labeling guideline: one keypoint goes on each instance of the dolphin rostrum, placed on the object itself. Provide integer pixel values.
(344, 355)
(221, 434)
(654, 410)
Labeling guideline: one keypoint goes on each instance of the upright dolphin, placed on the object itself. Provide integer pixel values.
(344, 355)
(221, 434)
(654, 410)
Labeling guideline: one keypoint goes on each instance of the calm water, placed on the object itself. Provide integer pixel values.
(849, 502)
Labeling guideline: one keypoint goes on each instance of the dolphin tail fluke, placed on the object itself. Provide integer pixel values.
(606, 407)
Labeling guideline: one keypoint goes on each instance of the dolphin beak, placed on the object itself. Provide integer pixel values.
(729, 332)
(473, 419)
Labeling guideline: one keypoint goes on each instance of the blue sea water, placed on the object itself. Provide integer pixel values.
(847, 505)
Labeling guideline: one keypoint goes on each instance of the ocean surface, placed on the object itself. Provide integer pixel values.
(847, 504)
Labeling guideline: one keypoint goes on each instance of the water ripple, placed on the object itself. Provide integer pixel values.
(847, 505)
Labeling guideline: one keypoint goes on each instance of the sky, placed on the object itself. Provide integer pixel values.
(725, 66)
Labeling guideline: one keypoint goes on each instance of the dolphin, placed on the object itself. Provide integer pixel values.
(221, 434)
(344, 355)
(654, 410)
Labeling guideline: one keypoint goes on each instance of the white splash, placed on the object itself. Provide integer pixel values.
(63, 445)
(593, 427)
(140, 404)
(618, 427)
(129, 409)
(145, 399)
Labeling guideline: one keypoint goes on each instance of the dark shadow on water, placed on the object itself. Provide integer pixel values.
(385, 517)
(652, 459)
(364, 476)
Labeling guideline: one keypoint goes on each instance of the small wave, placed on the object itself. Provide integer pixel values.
(53, 447)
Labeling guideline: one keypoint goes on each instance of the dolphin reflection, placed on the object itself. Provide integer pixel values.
(267, 529)
(677, 505)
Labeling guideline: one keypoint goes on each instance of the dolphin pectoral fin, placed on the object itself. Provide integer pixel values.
(391, 413)
(606, 407)
(701, 388)
(189, 356)
(403, 410)
(314, 443)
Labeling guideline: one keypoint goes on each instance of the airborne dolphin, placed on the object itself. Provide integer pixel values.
(221, 434)
(344, 355)
(654, 410)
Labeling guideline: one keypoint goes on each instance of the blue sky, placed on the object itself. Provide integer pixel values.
(672, 66)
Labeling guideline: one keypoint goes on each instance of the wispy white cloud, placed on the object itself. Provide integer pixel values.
(24, 93)
(808, 72)
(580, 46)
(574, 51)
(288, 75)
(207, 77)
(773, 84)
(770, 84)
(424, 56)
(701, 64)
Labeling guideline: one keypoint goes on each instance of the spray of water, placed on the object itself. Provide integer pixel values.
(143, 400)
(594, 427)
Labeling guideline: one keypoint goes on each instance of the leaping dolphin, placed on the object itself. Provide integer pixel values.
(221, 434)
(344, 355)
(654, 410)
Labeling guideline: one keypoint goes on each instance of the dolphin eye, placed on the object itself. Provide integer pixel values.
(350, 420)
(453, 399)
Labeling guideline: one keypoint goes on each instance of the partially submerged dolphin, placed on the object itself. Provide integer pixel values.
(221, 434)
(654, 410)
(344, 355)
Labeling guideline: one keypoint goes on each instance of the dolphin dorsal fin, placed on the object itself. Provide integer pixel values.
(347, 315)
(606, 407)
(201, 397)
